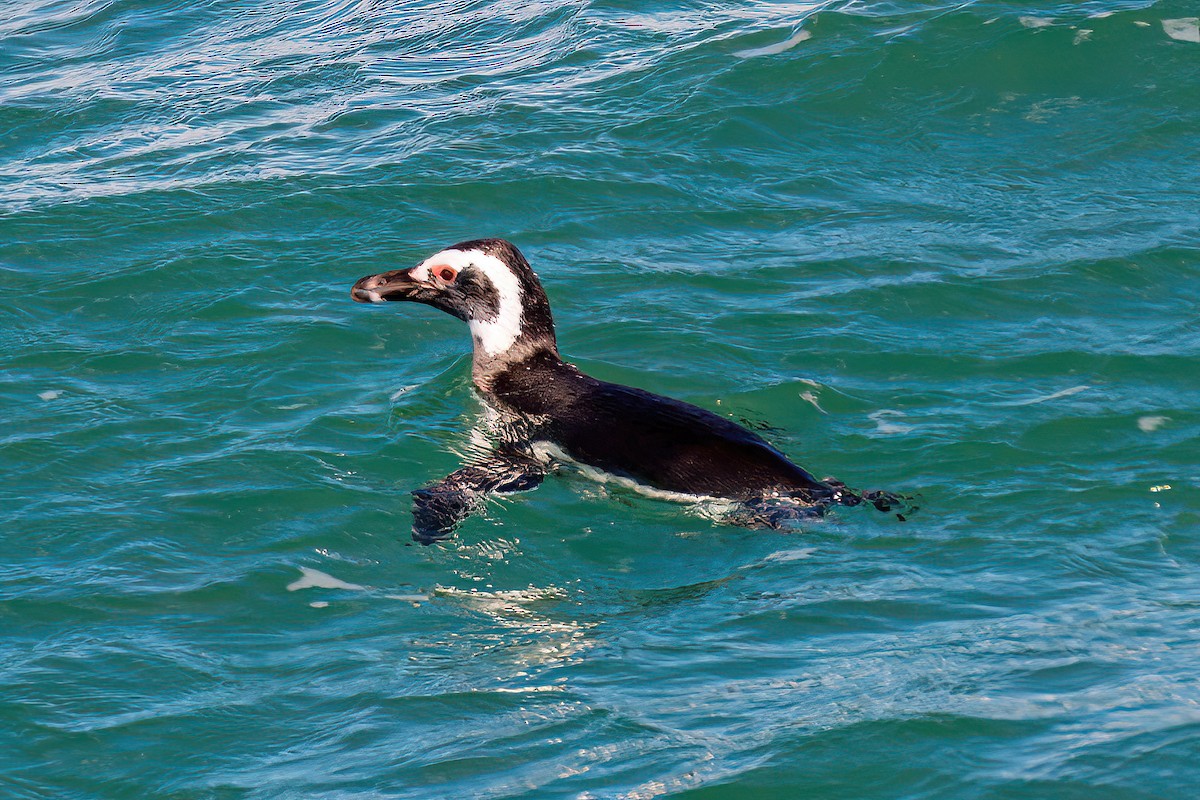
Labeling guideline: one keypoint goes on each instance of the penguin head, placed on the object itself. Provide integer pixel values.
(487, 283)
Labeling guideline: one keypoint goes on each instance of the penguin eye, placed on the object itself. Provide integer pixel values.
(446, 274)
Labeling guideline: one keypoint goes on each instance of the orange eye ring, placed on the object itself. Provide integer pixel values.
(445, 274)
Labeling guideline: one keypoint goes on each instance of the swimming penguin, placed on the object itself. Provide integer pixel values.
(552, 413)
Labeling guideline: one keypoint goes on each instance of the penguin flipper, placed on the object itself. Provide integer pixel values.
(438, 509)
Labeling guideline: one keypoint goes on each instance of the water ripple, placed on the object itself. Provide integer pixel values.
(948, 248)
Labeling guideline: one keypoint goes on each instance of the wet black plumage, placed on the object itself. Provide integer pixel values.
(655, 441)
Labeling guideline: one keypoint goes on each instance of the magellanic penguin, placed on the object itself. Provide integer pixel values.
(553, 413)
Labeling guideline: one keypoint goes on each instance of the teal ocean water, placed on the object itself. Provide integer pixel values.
(950, 249)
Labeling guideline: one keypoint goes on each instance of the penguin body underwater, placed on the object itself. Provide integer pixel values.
(551, 412)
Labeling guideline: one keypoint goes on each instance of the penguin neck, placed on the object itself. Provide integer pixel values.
(521, 329)
(487, 366)
(528, 389)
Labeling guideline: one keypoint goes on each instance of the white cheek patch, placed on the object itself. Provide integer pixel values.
(499, 334)
(496, 335)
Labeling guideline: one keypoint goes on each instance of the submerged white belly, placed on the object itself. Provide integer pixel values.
(548, 452)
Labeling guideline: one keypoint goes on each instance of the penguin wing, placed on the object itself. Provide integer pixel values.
(675, 446)
(438, 509)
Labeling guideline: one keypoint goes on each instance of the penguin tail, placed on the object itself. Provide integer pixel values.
(798, 510)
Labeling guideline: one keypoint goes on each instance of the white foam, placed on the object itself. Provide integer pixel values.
(314, 578)
(408, 598)
(884, 425)
(811, 397)
(1054, 396)
(773, 49)
(1150, 424)
(52, 394)
(1185, 29)
(799, 554)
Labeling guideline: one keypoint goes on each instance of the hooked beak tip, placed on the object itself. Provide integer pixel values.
(360, 295)
(381, 288)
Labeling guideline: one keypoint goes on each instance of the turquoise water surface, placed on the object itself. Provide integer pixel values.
(949, 249)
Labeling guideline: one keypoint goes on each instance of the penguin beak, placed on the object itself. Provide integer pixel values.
(395, 285)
